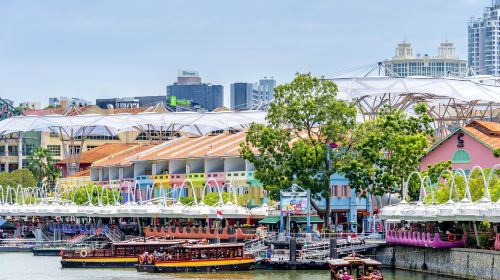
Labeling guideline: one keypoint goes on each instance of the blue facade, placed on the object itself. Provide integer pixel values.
(345, 199)
(206, 96)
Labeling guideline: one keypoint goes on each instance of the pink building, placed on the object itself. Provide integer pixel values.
(468, 146)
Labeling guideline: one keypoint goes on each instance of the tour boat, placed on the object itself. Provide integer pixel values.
(355, 267)
(197, 258)
(118, 254)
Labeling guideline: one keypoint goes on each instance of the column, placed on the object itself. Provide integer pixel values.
(6, 157)
(153, 169)
(20, 152)
(353, 210)
(100, 174)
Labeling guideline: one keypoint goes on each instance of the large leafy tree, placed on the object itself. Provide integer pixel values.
(388, 149)
(304, 121)
(434, 172)
(41, 164)
(19, 177)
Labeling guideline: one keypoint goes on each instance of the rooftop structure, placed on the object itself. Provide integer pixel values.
(88, 157)
(469, 146)
(404, 63)
(452, 102)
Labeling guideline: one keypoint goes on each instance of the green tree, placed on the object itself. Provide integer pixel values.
(213, 198)
(41, 164)
(476, 187)
(80, 195)
(22, 177)
(433, 172)
(387, 150)
(304, 119)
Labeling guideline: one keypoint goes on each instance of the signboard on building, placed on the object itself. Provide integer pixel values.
(183, 102)
(294, 205)
(295, 201)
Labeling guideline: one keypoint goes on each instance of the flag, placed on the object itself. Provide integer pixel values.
(220, 216)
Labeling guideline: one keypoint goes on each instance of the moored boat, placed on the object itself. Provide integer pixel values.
(119, 254)
(197, 258)
(355, 267)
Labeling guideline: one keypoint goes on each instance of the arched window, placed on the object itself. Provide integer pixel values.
(460, 156)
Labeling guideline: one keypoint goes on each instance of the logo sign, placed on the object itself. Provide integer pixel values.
(294, 205)
(460, 140)
(174, 101)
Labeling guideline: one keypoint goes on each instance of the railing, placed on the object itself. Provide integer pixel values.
(114, 234)
(314, 253)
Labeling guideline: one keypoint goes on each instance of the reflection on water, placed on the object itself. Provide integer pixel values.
(26, 267)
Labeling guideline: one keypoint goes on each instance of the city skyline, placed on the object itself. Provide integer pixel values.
(99, 49)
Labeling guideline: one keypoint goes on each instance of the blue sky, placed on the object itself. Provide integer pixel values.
(96, 49)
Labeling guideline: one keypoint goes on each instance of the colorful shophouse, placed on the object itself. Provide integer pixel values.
(476, 144)
(184, 165)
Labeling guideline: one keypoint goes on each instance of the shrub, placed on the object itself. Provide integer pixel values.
(496, 152)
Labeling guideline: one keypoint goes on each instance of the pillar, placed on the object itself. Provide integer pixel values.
(333, 248)
(153, 169)
(20, 152)
(100, 174)
(293, 251)
(6, 157)
(353, 211)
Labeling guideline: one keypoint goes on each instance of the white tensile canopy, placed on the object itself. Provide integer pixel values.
(73, 130)
(461, 89)
(452, 102)
(82, 125)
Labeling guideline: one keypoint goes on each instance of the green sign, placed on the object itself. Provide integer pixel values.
(174, 101)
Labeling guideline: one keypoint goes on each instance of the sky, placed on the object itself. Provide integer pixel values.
(100, 49)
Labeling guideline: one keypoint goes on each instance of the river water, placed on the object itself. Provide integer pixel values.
(25, 266)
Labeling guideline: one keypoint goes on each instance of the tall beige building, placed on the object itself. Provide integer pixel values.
(405, 63)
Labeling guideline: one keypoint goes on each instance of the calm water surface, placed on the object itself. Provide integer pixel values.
(25, 266)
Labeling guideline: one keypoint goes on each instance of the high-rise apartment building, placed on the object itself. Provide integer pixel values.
(484, 41)
(246, 96)
(404, 63)
(190, 92)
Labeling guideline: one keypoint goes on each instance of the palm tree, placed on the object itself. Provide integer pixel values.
(41, 164)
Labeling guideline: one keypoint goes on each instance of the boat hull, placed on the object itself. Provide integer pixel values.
(198, 266)
(15, 249)
(47, 252)
(99, 262)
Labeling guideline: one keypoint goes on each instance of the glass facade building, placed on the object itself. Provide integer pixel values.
(484, 41)
(201, 96)
(246, 96)
(445, 63)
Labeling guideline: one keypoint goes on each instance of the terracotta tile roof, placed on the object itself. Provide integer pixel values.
(123, 158)
(83, 173)
(88, 109)
(71, 111)
(221, 145)
(486, 132)
(101, 152)
(126, 110)
(42, 112)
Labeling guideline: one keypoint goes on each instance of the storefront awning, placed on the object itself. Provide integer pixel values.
(270, 220)
(297, 219)
(303, 220)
